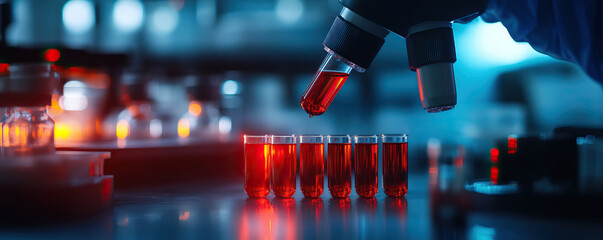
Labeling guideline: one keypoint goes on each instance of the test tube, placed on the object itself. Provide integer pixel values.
(327, 81)
(366, 160)
(257, 165)
(312, 153)
(284, 157)
(339, 161)
(395, 164)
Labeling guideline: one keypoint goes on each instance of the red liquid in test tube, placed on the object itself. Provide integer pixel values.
(311, 165)
(322, 91)
(395, 165)
(339, 161)
(366, 160)
(257, 165)
(284, 163)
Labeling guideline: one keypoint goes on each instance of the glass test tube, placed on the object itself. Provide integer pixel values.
(366, 160)
(284, 157)
(312, 165)
(329, 78)
(339, 161)
(395, 164)
(257, 165)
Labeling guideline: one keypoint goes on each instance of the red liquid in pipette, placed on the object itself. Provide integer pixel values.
(257, 170)
(312, 169)
(395, 169)
(366, 159)
(321, 92)
(283, 169)
(339, 169)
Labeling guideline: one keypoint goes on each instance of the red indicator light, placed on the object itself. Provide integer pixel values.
(494, 174)
(494, 155)
(52, 55)
(4, 68)
(512, 143)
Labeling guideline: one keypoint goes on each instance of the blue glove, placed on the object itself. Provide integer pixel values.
(570, 30)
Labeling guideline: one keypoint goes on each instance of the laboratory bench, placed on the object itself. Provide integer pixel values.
(220, 209)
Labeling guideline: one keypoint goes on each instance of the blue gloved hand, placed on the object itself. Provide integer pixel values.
(570, 30)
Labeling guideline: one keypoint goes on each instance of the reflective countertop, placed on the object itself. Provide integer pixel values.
(221, 210)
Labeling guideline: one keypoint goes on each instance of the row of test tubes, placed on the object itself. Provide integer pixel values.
(271, 162)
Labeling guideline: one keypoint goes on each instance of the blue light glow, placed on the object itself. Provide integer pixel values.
(164, 20)
(230, 87)
(489, 44)
(128, 15)
(78, 16)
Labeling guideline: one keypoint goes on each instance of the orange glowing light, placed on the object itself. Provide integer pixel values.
(52, 55)
(55, 108)
(184, 216)
(494, 174)
(195, 108)
(512, 143)
(494, 155)
(61, 131)
(184, 128)
(122, 129)
(18, 135)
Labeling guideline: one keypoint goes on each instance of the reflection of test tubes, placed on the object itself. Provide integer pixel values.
(395, 164)
(257, 219)
(283, 159)
(311, 165)
(257, 165)
(339, 161)
(367, 161)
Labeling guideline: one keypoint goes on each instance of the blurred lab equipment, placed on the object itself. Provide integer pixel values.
(28, 128)
(137, 120)
(203, 116)
(30, 168)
